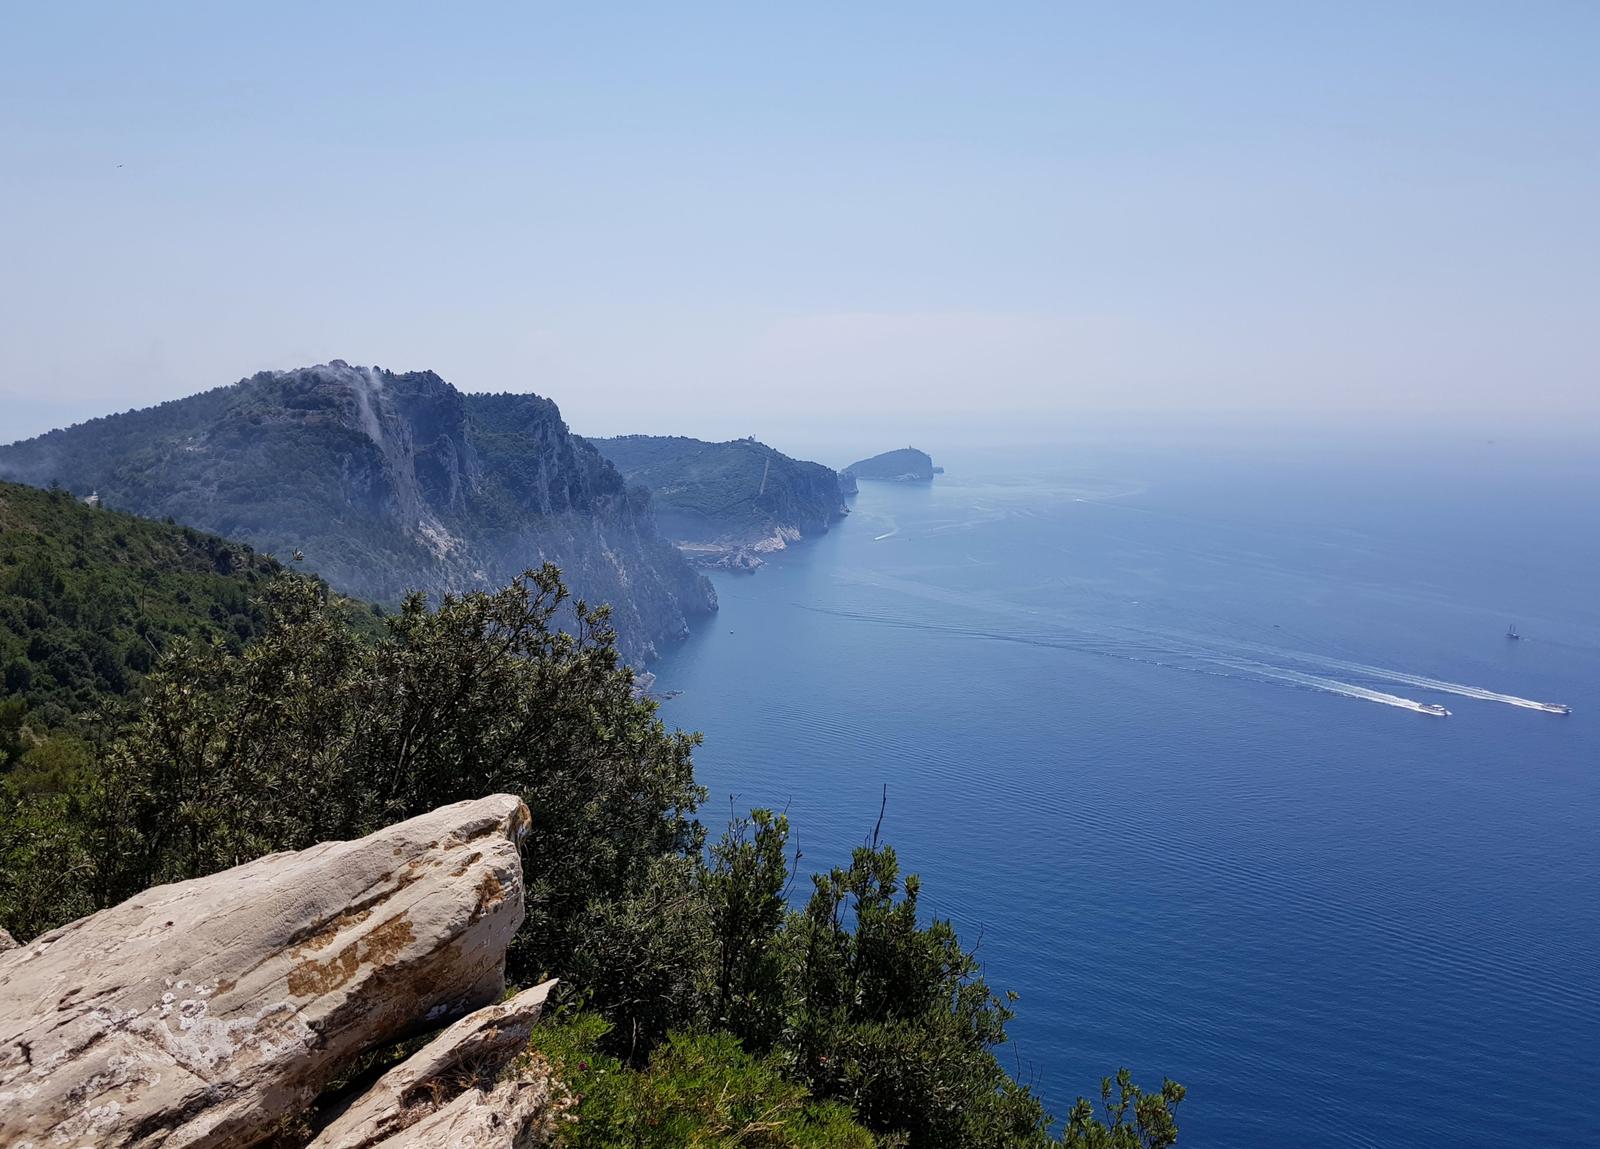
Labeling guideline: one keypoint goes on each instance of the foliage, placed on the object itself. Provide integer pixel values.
(1152, 1125)
(719, 1014)
(697, 1089)
(745, 884)
(89, 599)
(905, 463)
(313, 733)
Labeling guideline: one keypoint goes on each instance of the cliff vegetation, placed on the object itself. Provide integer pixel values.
(706, 1001)
(725, 504)
(906, 465)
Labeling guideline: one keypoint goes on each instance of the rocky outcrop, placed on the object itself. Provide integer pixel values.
(451, 1092)
(385, 482)
(906, 465)
(213, 1012)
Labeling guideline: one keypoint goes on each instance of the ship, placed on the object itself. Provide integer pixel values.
(1434, 709)
(1511, 632)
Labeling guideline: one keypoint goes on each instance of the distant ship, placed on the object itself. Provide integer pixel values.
(1511, 632)
(1434, 709)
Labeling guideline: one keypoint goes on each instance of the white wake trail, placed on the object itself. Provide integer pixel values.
(1422, 680)
(1331, 686)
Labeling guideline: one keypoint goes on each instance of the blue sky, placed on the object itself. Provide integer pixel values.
(723, 219)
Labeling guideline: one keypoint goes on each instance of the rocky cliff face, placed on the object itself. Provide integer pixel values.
(727, 504)
(386, 483)
(211, 1014)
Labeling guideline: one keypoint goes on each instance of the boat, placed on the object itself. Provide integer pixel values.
(1434, 709)
(1511, 632)
(1557, 708)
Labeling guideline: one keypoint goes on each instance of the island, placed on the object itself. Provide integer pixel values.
(906, 465)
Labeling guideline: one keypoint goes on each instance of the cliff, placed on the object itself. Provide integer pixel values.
(386, 483)
(727, 504)
(906, 465)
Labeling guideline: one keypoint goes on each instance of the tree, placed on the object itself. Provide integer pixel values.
(895, 1017)
(1152, 1126)
(745, 884)
(312, 733)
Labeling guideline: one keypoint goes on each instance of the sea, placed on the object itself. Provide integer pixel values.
(1150, 722)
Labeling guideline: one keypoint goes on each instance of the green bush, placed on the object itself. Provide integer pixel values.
(697, 1089)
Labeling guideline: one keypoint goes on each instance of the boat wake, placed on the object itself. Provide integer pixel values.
(1443, 687)
(1334, 686)
(1423, 681)
(1172, 656)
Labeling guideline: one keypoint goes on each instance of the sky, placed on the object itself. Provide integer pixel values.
(728, 219)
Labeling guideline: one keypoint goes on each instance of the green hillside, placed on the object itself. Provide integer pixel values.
(905, 465)
(740, 490)
(90, 597)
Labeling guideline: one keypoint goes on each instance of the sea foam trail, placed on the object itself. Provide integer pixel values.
(1440, 685)
(1421, 680)
(1202, 661)
(1330, 686)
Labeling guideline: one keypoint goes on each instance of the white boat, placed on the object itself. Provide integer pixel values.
(1434, 709)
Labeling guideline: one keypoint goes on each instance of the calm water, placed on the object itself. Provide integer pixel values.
(1120, 705)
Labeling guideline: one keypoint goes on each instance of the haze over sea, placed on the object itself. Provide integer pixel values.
(1145, 721)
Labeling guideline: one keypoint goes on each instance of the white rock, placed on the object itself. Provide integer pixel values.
(451, 1092)
(205, 1012)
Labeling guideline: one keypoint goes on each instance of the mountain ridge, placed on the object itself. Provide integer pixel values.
(387, 482)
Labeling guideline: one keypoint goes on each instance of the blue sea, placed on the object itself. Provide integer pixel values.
(1149, 721)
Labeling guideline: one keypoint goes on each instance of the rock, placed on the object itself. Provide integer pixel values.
(7, 942)
(209, 1012)
(450, 1093)
(517, 1113)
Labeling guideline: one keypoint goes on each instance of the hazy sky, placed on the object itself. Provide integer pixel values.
(722, 218)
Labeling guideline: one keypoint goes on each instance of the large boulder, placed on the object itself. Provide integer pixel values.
(212, 1012)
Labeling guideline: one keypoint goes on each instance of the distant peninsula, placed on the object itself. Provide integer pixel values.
(728, 505)
(907, 465)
